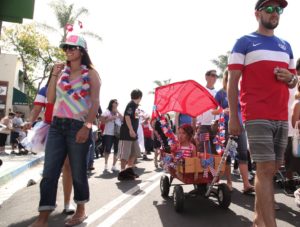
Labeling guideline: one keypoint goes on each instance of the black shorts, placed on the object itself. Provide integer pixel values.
(148, 144)
(291, 162)
(109, 141)
(13, 137)
(3, 138)
(156, 143)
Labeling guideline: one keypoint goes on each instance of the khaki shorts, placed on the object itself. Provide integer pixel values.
(128, 149)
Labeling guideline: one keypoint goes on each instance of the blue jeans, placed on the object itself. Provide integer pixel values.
(60, 143)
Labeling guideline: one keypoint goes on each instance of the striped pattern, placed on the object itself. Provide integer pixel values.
(68, 107)
(41, 97)
(256, 56)
(267, 139)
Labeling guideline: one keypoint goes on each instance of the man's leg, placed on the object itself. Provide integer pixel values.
(265, 194)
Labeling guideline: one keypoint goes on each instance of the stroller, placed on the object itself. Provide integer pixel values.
(203, 171)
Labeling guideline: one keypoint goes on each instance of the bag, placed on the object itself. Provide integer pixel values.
(117, 129)
(4, 129)
(296, 140)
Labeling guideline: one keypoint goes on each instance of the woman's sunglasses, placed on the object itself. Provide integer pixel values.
(70, 47)
(272, 9)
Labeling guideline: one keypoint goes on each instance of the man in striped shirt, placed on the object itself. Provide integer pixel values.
(266, 65)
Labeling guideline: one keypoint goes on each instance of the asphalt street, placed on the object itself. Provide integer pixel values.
(139, 203)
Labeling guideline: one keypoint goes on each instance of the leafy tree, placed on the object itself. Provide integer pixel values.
(35, 53)
(221, 62)
(66, 14)
(159, 83)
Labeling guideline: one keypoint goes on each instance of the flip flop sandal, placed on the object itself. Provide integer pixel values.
(249, 191)
(75, 221)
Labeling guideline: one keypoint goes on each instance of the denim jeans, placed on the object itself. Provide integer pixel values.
(60, 143)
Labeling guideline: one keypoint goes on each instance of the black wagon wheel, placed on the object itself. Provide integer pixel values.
(164, 186)
(178, 198)
(224, 196)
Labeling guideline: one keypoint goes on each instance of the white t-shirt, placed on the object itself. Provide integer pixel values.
(207, 117)
(290, 106)
(109, 126)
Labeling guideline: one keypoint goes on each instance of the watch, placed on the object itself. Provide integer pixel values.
(291, 82)
(88, 125)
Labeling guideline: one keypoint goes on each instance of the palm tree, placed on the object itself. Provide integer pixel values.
(67, 15)
(221, 63)
(159, 83)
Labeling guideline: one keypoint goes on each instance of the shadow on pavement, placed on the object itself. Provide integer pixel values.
(54, 221)
(199, 212)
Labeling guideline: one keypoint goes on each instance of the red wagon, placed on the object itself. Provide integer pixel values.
(188, 97)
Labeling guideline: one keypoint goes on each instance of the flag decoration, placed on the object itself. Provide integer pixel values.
(220, 138)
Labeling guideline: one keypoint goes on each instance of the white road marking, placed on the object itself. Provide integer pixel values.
(128, 206)
(130, 193)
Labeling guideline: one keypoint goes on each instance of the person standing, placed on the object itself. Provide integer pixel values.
(40, 103)
(205, 119)
(5, 131)
(17, 121)
(128, 145)
(75, 87)
(242, 152)
(112, 119)
(266, 65)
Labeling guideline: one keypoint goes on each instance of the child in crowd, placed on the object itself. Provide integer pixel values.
(186, 143)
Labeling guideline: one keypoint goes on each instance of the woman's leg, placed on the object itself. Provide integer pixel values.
(77, 153)
(55, 154)
(108, 142)
(116, 148)
(67, 187)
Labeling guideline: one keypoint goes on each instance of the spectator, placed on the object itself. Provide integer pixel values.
(242, 153)
(205, 119)
(112, 120)
(17, 122)
(266, 65)
(70, 130)
(5, 130)
(128, 146)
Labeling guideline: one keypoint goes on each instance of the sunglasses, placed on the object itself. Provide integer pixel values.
(70, 47)
(272, 9)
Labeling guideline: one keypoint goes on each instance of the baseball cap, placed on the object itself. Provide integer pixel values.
(261, 3)
(74, 40)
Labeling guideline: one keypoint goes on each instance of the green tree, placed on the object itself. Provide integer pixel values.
(67, 14)
(159, 83)
(221, 62)
(35, 53)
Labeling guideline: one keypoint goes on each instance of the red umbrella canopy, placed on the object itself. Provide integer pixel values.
(186, 97)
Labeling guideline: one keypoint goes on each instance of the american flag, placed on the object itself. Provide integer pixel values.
(204, 137)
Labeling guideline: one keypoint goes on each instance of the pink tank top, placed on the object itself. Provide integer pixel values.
(66, 106)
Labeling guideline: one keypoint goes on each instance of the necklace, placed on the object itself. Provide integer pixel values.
(77, 95)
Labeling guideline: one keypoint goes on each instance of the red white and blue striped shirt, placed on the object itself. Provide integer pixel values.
(262, 95)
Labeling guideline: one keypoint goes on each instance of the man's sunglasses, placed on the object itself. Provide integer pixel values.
(70, 47)
(272, 9)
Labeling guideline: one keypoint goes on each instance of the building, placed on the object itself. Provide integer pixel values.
(12, 88)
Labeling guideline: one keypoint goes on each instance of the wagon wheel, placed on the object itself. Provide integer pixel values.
(224, 196)
(164, 186)
(178, 198)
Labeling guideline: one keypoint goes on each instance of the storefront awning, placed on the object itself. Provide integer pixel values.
(16, 10)
(19, 98)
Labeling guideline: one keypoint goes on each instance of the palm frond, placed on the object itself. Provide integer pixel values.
(79, 12)
(92, 35)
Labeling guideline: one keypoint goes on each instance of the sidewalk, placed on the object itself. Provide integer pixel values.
(13, 165)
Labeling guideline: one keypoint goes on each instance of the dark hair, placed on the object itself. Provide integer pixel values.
(188, 129)
(136, 94)
(210, 72)
(298, 64)
(85, 59)
(110, 105)
(11, 114)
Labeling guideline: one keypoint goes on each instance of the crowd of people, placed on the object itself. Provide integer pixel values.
(262, 120)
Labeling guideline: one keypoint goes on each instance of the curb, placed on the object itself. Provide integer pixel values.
(12, 174)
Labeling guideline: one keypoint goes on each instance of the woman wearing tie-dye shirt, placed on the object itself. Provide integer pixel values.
(75, 87)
